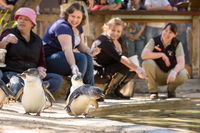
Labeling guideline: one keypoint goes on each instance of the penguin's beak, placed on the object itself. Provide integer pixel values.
(32, 71)
(102, 95)
(23, 75)
(77, 77)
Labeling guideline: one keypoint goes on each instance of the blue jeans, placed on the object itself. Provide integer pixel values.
(57, 63)
(55, 81)
(135, 48)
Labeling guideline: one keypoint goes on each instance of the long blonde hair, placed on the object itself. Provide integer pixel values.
(113, 22)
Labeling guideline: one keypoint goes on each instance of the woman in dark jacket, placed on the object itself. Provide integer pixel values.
(111, 59)
(25, 50)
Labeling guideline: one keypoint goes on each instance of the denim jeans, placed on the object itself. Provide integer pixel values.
(55, 81)
(135, 48)
(57, 63)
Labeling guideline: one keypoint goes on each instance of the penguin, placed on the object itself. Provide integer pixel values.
(76, 82)
(81, 98)
(33, 97)
(4, 94)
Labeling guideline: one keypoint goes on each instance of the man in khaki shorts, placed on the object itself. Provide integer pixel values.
(164, 62)
(64, 4)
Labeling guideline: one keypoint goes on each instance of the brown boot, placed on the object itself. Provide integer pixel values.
(171, 94)
(116, 78)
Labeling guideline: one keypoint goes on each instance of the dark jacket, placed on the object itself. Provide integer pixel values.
(23, 55)
(170, 52)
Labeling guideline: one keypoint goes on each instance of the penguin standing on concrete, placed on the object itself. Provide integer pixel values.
(33, 97)
(81, 98)
(76, 82)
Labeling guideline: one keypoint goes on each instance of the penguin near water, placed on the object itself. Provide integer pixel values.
(33, 97)
(81, 98)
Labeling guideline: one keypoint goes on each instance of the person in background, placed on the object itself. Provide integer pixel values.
(87, 4)
(183, 29)
(154, 29)
(7, 4)
(134, 35)
(135, 39)
(25, 50)
(112, 5)
(99, 5)
(61, 40)
(111, 60)
(164, 62)
(174, 3)
(142, 6)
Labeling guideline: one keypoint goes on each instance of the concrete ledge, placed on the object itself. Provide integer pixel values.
(56, 119)
(111, 106)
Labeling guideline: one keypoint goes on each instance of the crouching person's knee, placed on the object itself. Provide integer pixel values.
(182, 76)
(149, 64)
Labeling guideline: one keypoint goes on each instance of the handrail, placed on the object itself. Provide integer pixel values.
(144, 12)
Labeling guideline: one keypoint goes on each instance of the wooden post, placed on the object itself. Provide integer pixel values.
(195, 46)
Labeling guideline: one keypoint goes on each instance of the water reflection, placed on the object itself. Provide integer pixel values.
(186, 117)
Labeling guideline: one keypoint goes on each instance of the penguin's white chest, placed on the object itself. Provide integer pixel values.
(33, 98)
(80, 105)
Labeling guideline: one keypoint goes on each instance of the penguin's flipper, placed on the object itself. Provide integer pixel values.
(19, 93)
(4, 87)
(75, 94)
(45, 84)
(47, 92)
(67, 108)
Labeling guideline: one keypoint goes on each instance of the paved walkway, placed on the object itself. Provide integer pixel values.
(56, 120)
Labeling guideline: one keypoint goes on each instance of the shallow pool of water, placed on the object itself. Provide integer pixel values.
(186, 117)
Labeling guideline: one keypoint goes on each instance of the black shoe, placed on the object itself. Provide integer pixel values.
(118, 94)
(171, 94)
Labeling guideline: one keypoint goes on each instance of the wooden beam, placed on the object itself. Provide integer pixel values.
(195, 46)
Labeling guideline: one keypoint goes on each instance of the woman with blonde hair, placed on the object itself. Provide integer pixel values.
(111, 59)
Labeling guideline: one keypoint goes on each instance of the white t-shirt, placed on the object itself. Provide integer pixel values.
(155, 4)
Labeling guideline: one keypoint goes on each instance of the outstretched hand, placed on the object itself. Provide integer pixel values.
(141, 73)
(95, 51)
(42, 72)
(75, 70)
(10, 38)
(171, 77)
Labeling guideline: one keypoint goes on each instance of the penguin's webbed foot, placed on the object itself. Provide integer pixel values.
(67, 108)
(38, 114)
(88, 116)
(27, 113)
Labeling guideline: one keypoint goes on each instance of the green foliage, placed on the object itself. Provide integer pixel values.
(5, 22)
